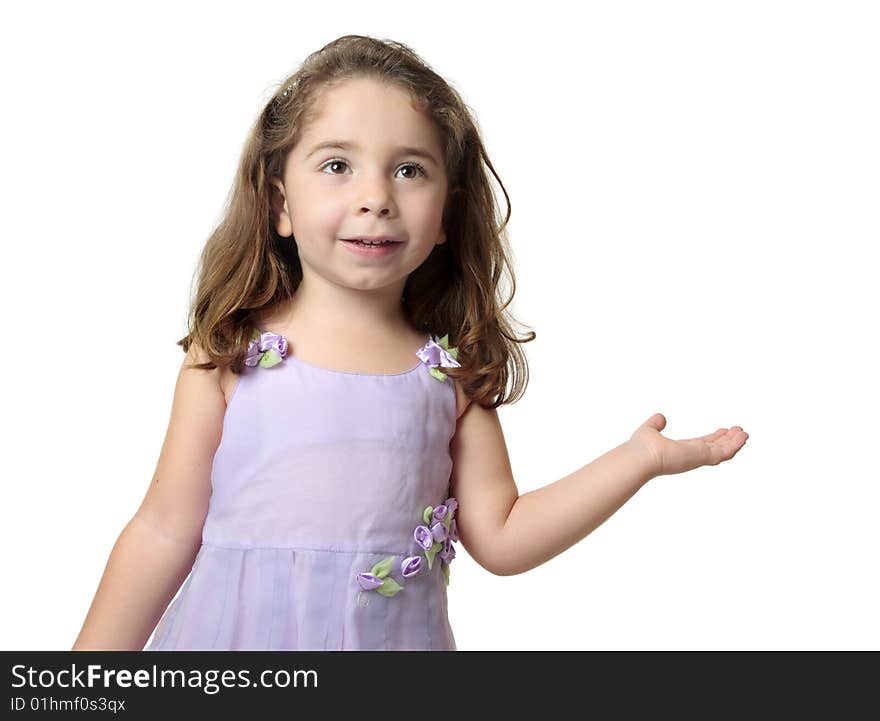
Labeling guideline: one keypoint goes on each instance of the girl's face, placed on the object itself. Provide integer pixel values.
(388, 180)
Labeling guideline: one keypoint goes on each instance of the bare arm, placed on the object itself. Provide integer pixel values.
(156, 549)
(508, 533)
(545, 522)
(143, 573)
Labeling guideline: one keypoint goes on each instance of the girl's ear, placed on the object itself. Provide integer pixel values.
(280, 213)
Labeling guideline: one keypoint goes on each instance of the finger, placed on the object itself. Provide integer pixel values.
(727, 445)
(740, 440)
(656, 421)
(736, 438)
(716, 435)
(711, 437)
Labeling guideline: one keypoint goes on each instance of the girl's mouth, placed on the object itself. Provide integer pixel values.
(372, 250)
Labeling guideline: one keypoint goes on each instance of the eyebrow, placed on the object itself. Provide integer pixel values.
(347, 145)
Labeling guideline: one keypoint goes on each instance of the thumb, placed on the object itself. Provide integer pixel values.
(657, 422)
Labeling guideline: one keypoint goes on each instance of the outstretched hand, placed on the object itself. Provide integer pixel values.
(671, 456)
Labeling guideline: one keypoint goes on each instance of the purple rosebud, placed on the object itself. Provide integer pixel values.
(435, 355)
(266, 338)
(369, 581)
(451, 504)
(410, 566)
(280, 345)
(253, 354)
(453, 530)
(423, 537)
(273, 341)
(267, 341)
(447, 553)
(439, 513)
(430, 353)
(438, 530)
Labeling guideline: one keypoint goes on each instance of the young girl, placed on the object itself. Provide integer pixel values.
(334, 429)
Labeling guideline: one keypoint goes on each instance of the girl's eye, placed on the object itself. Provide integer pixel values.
(419, 168)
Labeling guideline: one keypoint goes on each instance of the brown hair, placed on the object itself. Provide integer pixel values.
(246, 268)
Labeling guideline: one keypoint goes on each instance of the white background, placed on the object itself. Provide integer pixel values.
(695, 219)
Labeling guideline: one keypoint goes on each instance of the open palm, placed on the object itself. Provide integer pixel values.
(671, 456)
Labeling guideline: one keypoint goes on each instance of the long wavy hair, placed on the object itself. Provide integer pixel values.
(245, 268)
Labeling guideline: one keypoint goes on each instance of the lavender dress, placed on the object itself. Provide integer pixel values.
(329, 526)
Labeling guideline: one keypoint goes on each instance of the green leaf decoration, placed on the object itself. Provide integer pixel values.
(444, 344)
(270, 358)
(445, 569)
(426, 516)
(255, 334)
(389, 587)
(438, 374)
(447, 521)
(383, 567)
(431, 552)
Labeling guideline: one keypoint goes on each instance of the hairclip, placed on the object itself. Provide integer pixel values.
(289, 89)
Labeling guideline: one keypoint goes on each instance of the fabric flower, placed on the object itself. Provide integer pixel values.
(438, 538)
(423, 536)
(435, 536)
(266, 349)
(377, 579)
(410, 566)
(438, 353)
(439, 532)
(447, 553)
(369, 581)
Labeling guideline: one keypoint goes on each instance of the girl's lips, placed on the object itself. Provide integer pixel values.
(371, 251)
(373, 238)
